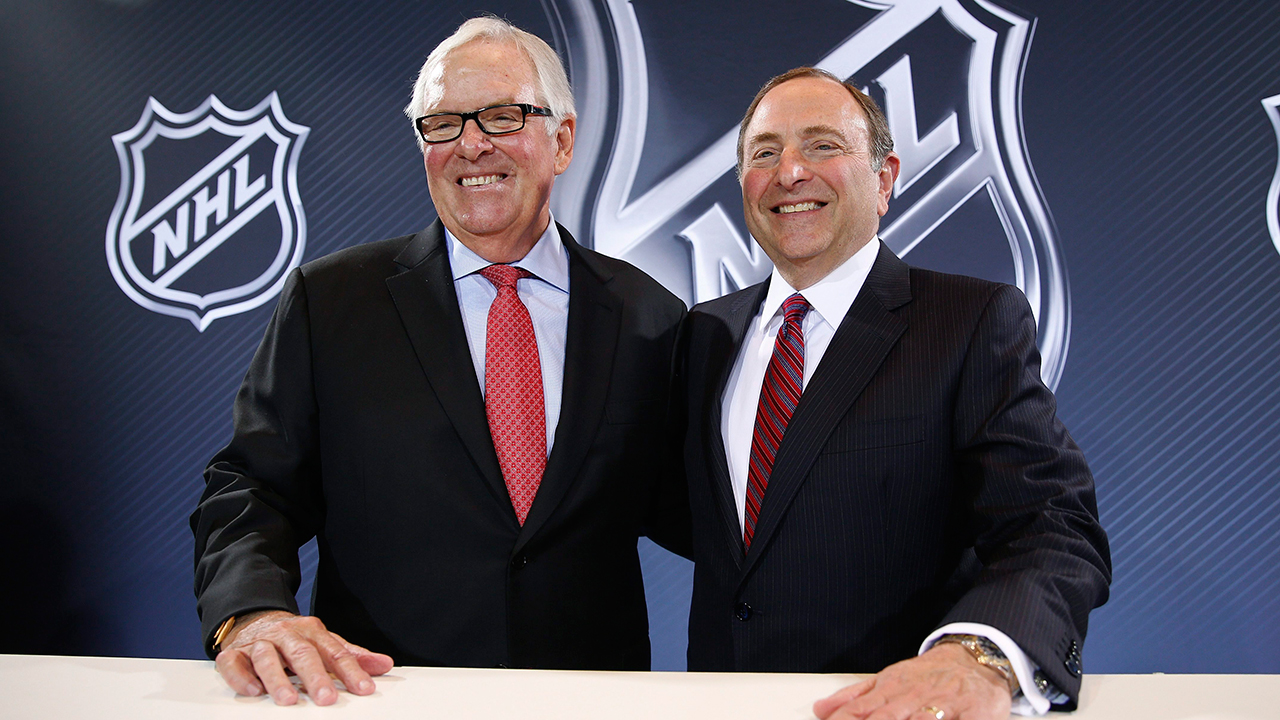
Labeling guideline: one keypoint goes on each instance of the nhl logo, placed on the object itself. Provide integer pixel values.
(208, 222)
(1272, 106)
(963, 160)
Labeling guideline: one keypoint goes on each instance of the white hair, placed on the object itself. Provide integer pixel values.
(552, 83)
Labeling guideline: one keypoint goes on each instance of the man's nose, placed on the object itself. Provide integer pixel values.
(793, 168)
(473, 142)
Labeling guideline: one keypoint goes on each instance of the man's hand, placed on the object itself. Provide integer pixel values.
(944, 679)
(260, 647)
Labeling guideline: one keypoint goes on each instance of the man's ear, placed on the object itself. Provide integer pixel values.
(564, 143)
(889, 170)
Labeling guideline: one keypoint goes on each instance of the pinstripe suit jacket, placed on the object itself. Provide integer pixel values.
(924, 478)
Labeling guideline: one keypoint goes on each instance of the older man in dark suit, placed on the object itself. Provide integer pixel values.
(469, 420)
(879, 481)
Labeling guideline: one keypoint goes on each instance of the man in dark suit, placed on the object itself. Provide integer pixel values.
(469, 420)
(878, 478)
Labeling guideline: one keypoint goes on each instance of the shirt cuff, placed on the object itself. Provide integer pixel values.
(1030, 701)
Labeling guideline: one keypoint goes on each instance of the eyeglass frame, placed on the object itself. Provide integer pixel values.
(526, 109)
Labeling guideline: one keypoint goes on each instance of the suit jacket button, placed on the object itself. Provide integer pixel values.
(1072, 663)
(742, 612)
(1073, 666)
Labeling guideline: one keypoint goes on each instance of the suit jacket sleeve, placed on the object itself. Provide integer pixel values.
(669, 521)
(262, 498)
(1033, 516)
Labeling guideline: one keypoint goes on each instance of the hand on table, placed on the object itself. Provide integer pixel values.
(944, 679)
(257, 651)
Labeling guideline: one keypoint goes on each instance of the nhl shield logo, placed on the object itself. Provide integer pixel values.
(1272, 106)
(963, 160)
(208, 222)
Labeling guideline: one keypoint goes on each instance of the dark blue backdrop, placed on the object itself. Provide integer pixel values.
(1136, 154)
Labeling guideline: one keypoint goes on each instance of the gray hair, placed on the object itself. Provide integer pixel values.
(553, 84)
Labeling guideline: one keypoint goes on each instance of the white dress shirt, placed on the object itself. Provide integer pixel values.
(829, 300)
(546, 295)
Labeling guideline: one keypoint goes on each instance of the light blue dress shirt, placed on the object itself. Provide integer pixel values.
(546, 295)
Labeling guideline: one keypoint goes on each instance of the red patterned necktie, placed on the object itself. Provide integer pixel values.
(513, 390)
(783, 382)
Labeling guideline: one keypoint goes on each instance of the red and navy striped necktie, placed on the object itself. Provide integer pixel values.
(783, 382)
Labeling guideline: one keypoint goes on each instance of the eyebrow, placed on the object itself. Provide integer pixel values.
(764, 137)
(812, 130)
(439, 111)
(805, 132)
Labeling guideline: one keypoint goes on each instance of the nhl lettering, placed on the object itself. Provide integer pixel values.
(196, 213)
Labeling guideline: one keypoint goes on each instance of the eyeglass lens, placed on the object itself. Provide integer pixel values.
(492, 121)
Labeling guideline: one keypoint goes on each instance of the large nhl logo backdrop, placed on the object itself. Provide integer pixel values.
(191, 235)
(972, 156)
(1167, 216)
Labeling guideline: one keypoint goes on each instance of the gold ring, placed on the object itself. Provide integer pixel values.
(933, 711)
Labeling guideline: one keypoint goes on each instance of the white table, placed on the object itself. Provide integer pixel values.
(36, 686)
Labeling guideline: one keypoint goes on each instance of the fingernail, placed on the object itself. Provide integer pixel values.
(325, 695)
(366, 686)
(254, 689)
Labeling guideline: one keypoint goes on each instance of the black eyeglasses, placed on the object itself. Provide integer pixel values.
(493, 120)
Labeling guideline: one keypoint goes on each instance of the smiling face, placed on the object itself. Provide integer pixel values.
(809, 193)
(493, 192)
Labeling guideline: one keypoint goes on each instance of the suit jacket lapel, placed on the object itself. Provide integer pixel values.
(721, 357)
(857, 350)
(428, 305)
(591, 339)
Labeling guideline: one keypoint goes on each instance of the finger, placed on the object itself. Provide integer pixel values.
(902, 709)
(305, 661)
(860, 707)
(270, 670)
(827, 705)
(930, 712)
(237, 671)
(374, 663)
(962, 707)
(342, 661)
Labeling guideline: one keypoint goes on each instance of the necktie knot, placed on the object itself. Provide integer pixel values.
(504, 275)
(794, 308)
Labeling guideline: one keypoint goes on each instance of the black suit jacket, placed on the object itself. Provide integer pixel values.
(923, 479)
(361, 422)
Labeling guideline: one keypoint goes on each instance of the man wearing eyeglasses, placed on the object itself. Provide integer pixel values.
(471, 420)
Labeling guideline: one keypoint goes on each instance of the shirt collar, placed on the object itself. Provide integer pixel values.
(831, 296)
(547, 260)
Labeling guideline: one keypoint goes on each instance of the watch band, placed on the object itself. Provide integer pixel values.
(986, 653)
(221, 633)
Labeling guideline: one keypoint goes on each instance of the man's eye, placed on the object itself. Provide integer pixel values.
(439, 124)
